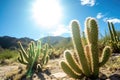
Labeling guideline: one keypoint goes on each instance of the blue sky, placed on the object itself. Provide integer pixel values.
(17, 20)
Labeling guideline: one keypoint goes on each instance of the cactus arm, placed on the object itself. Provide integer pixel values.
(45, 51)
(71, 61)
(87, 29)
(114, 33)
(33, 50)
(21, 47)
(69, 71)
(23, 51)
(44, 55)
(46, 60)
(113, 28)
(21, 58)
(79, 47)
(110, 31)
(38, 48)
(37, 54)
(105, 55)
(87, 53)
(22, 61)
(92, 41)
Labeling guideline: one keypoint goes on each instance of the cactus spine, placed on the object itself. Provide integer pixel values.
(88, 63)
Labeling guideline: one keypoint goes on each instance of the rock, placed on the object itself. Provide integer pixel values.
(115, 76)
(102, 76)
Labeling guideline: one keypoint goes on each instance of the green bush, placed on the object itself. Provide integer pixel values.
(8, 54)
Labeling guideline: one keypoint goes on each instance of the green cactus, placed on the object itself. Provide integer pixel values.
(114, 42)
(88, 62)
(44, 57)
(78, 45)
(56, 52)
(31, 56)
(92, 39)
(111, 32)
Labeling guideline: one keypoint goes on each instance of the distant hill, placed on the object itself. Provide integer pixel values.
(7, 42)
(51, 39)
(57, 41)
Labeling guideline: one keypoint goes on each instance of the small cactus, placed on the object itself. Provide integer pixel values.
(88, 62)
(31, 56)
(114, 42)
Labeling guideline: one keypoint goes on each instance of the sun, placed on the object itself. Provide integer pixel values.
(47, 13)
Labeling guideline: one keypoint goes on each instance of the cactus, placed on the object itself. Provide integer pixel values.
(31, 56)
(84, 39)
(88, 62)
(56, 52)
(44, 57)
(113, 33)
(114, 42)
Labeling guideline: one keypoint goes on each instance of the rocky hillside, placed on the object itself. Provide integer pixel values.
(7, 42)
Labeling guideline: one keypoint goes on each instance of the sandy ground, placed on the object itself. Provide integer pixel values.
(53, 72)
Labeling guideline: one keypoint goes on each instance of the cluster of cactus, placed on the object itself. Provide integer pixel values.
(56, 53)
(115, 41)
(44, 57)
(34, 57)
(87, 61)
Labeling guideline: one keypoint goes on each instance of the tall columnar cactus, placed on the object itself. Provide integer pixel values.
(88, 62)
(114, 42)
(31, 56)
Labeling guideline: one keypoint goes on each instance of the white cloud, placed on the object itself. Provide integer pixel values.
(114, 20)
(99, 16)
(61, 29)
(88, 2)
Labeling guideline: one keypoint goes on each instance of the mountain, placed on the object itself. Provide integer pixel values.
(8, 42)
(57, 41)
(52, 39)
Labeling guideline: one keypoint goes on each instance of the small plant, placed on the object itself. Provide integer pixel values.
(114, 42)
(87, 62)
(8, 56)
(56, 53)
(34, 57)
